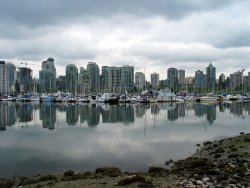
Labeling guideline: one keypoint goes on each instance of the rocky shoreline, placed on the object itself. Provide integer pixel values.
(218, 164)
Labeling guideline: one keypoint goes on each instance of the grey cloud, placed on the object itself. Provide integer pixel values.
(33, 14)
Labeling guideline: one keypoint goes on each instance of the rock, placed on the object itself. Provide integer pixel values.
(199, 182)
(158, 171)
(69, 173)
(109, 171)
(131, 179)
(206, 179)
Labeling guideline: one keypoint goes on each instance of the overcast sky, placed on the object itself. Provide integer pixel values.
(150, 34)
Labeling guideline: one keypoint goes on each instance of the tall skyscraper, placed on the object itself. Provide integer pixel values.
(7, 77)
(114, 77)
(84, 81)
(211, 76)
(61, 84)
(200, 79)
(47, 76)
(181, 77)
(71, 78)
(140, 80)
(172, 78)
(24, 79)
(127, 76)
(117, 79)
(2, 77)
(155, 80)
(94, 76)
(235, 79)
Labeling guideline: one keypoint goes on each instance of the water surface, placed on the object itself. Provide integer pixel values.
(50, 138)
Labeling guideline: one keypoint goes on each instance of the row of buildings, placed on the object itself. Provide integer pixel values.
(113, 79)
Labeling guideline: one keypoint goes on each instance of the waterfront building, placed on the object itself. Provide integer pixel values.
(222, 78)
(94, 77)
(104, 79)
(71, 78)
(7, 77)
(200, 79)
(127, 77)
(140, 80)
(61, 83)
(189, 81)
(116, 79)
(211, 76)
(84, 81)
(47, 76)
(24, 79)
(2, 77)
(172, 77)
(235, 80)
(181, 77)
(154, 80)
(248, 81)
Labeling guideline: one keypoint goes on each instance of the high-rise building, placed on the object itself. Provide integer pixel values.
(84, 81)
(117, 79)
(2, 77)
(104, 79)
(200, 79)
(235, 79)
(140, 80)
(155, 80)
(172, 78)
(71, 78)
(47, 76)
(61, 84)
(189, 81)
(10, 77)
(222, 78)
(94, 76)
(248, 80)
(115, 76)
(211, 76)
(127, 76)
(7, 77)
(24, 79)
(181, 77)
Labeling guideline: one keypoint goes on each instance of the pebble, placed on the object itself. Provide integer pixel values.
(199, 182)
(205, 179)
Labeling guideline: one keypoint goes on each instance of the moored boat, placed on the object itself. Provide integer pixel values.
(208, 99)
(8, 98)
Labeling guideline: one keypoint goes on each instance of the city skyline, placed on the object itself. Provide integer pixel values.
(148, 35)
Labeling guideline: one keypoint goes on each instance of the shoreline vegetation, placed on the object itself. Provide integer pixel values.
(220, 163)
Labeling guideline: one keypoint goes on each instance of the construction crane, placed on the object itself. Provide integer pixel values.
(25, 63)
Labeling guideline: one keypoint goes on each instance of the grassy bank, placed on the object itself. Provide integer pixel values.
(221, 163)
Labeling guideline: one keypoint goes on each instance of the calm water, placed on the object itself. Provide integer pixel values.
(47, 138)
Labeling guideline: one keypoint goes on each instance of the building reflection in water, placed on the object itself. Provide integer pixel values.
(24, 112)
(140, 110)
(7, 115)
(71, 114)
(118, 113)
(48, 115)
(92, 114)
